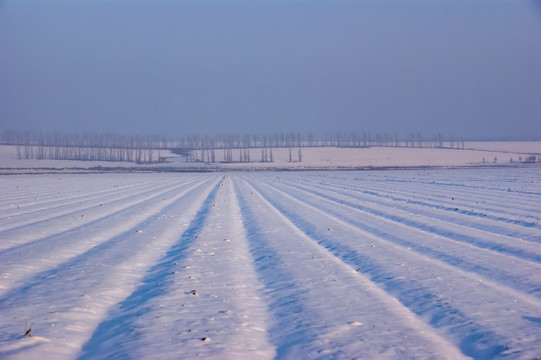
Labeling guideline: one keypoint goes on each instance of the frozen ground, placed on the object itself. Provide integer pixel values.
(380, 264)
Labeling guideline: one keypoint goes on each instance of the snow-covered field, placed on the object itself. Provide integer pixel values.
(377, 264)
(474, 154)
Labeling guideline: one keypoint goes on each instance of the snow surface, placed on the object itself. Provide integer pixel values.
(380, 264)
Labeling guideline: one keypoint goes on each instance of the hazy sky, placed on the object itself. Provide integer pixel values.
(466, 67)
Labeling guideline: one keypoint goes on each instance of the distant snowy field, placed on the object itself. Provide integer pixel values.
(474, 154)
(376, 264)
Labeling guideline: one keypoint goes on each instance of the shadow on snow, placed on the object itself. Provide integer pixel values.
(121, 322)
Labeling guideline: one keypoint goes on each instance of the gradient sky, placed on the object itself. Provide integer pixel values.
(470, 68)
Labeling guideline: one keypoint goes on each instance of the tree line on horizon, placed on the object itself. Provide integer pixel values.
(204, 148)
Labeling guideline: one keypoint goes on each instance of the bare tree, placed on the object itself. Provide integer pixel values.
(452, 141)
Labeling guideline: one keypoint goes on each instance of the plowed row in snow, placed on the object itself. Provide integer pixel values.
(392, 264)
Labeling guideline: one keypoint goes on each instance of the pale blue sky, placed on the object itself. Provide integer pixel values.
(466, 67)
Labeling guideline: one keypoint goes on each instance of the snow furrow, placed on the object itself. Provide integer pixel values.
(371, 264)
(65, 312)
(350, 324)
(76, 221)
(527, 231)
(436, 195)
(396, 241)
(503, 245)
(474, 180)
(483, 218)
(23, 260)
(200, 300)
(434, 295)
(91, 209)
(23, 192)
(506, 269)
(41, 211)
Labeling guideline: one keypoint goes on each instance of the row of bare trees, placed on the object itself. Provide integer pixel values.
(40, 152)
(241, 155)
(86, 146)
(230, 141)
(98, 140)
(203, 148)
(337, 139)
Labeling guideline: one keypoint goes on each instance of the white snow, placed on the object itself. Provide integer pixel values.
(359, 264)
